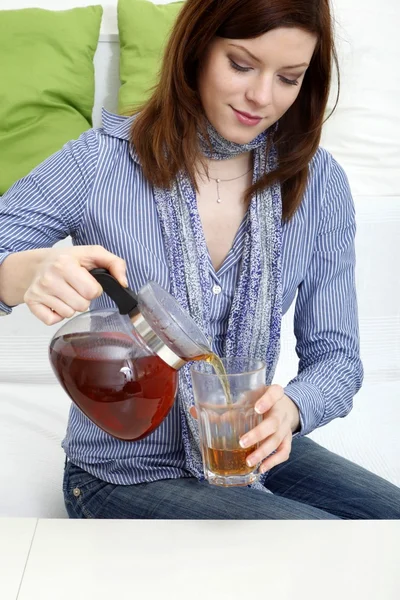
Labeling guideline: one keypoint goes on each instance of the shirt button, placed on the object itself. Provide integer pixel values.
(217, 289)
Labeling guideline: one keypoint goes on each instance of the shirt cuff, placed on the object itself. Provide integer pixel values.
(4, 308)
(310, 402)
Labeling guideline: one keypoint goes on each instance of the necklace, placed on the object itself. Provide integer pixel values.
(218, 181)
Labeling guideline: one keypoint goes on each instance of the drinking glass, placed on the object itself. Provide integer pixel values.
(223, 419)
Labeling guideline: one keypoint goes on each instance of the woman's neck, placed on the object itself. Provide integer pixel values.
(227, 169)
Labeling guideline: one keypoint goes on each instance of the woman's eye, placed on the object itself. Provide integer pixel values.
(289, 81)
(238, 67)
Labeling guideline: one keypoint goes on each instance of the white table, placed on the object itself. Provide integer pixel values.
(225, 560)
(16, 537)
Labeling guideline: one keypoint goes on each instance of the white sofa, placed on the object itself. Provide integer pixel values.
(365, 137)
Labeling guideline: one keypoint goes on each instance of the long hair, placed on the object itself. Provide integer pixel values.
(165, 132)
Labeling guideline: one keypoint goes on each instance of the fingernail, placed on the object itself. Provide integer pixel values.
(124, 282)
(243, 442)
(249, 462)
(259, 408)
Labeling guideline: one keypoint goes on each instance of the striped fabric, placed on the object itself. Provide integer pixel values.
(94, 191)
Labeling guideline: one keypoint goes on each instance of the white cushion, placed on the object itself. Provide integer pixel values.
(364, 132)
(33, 419)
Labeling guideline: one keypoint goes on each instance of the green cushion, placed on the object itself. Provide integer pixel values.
(143, 31)
(46, 83)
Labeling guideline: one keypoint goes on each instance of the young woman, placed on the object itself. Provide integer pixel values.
(218, 190)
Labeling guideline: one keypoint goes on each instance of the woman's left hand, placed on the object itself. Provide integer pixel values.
(281, 420)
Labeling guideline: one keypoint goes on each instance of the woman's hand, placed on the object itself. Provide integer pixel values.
(281, 420)
(62, 285)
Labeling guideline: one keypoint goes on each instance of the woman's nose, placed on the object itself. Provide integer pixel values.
(260, 92)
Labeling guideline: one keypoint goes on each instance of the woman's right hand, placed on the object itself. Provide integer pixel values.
(62, 284)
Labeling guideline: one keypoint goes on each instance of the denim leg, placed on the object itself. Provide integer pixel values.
(320, 478)
(186, 498)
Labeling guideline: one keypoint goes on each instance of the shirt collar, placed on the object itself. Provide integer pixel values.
(119, 126)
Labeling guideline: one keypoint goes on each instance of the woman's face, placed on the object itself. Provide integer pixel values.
(246, 86)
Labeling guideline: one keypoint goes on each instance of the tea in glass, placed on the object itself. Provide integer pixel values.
(224, 419)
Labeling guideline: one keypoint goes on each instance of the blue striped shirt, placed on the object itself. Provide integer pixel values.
(94, 190)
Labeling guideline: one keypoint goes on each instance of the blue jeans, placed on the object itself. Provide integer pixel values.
(313, 484)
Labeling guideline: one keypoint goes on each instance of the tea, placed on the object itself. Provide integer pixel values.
(125, 395)
(218, 366)
(229, 462)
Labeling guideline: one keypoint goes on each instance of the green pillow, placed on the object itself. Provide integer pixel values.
(46, 83)
(143, 32)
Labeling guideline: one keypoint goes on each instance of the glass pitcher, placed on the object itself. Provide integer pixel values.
(120, 366)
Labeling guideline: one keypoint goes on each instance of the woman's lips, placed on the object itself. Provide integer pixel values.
(246, 119)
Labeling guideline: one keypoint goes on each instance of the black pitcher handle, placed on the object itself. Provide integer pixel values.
(124, 298)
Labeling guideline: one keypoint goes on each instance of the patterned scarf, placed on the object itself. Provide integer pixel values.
(255, 316)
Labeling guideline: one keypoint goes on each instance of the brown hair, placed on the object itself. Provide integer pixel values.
(165, 133)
